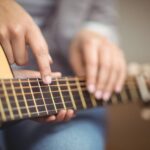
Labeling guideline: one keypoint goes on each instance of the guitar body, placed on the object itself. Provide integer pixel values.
(5, 69)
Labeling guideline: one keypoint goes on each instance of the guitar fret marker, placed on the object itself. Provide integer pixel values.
(7, 100)
(80, 93)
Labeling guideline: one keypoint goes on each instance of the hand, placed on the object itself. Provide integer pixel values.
(63, 115)
(17, 30)
(102, 62)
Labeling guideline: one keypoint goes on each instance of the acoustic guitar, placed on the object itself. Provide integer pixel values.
(30, 98)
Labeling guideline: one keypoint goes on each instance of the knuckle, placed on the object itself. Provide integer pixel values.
(41, 52)
(106, 65)
(20, 62)
(16, 30)
(3, 33)
(92, 64)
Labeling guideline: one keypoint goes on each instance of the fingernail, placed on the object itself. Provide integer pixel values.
(47, 79)
(118, 89)
(53, 118)
(106, 96)
(98, 95)
(91, 88)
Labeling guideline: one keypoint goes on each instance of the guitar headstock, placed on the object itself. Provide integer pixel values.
(142, 74)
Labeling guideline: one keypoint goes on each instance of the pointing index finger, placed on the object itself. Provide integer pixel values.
(40, 51)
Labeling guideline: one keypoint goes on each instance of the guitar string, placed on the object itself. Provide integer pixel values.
(47, 92)
(37, 99)
(46, 98)
(53, 80)
(62, 108)
(35, 79)
(35, 113)
(60, 85)
(37, 86)
(78, 102)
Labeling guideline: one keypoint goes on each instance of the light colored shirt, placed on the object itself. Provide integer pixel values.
(38, 9)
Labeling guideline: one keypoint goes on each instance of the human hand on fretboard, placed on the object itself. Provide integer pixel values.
(63, 115)
(17, 29)
(102, 63)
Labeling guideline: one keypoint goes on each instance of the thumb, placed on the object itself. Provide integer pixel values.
(26, 74)
(32, 74)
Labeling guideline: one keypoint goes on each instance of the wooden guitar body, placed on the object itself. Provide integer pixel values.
(5, 70)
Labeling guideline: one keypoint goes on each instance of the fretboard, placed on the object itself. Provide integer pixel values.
(28, 98)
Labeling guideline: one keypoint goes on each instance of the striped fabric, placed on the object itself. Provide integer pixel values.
(38, 9)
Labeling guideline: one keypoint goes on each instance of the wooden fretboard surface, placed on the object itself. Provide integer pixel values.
(28, 98)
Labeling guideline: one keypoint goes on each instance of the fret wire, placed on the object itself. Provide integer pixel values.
(93, 100)
(80, 93)
(33, 96)
(7, 100)
(124, 96)
(24, 98)
(52, 98)
(133, 93)
(61, 94)
(2, 111)
(16, 100)
(114, 99)
(42, 96)
(71, 95)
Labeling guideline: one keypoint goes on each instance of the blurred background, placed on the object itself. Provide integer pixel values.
(134, 28)
(127, 130)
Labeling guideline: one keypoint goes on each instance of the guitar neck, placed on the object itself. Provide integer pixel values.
(28, 98)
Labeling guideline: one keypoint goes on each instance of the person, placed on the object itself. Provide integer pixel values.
(82, 39)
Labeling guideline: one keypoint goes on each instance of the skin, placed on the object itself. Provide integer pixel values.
(102, 62)
(91, 54)
(63, 115)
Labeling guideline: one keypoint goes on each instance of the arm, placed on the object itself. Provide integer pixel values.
(93, 52)
(17, 30)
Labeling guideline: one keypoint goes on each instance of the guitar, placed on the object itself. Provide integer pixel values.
(30, 98)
